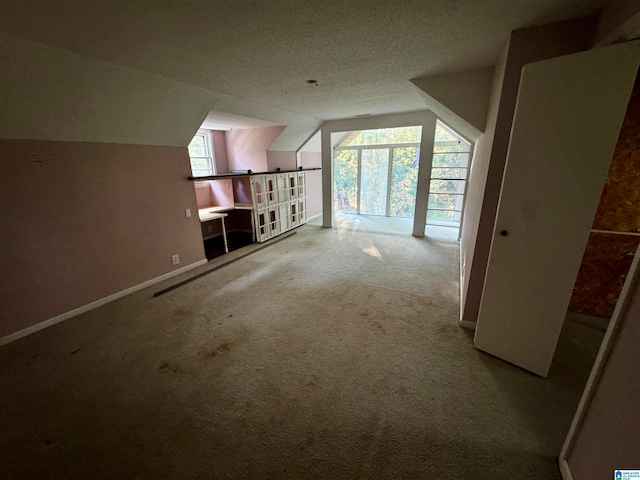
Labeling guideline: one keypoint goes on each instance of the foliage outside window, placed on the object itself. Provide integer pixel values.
(376, 173)
(201, 154)
(376, 149)
(404, 181)
(448, 175)
(383, 136)
(345, 165)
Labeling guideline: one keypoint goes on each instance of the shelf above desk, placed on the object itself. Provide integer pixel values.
(249, 174)
(243, 206)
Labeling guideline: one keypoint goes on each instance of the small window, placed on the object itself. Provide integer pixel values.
(201, 154)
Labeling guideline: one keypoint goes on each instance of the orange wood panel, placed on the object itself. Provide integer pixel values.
(619, 208)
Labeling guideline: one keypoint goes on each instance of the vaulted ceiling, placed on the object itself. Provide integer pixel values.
(362, 53)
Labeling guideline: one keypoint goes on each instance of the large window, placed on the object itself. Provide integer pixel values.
(375, 171)
(201, 154)
(448, 177)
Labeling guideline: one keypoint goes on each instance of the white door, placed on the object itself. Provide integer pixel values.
(565, 128)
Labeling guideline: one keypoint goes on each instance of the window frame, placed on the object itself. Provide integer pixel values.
(211, 159)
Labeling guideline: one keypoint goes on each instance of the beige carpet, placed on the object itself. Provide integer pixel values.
(332, 354)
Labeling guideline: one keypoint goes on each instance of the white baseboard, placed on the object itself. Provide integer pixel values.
(467, 324)
(312, 217)
(565, 471)
(12, 337)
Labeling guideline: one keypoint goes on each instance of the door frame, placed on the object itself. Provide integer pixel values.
(619, 316)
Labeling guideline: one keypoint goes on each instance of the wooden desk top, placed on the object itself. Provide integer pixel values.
(210, 213)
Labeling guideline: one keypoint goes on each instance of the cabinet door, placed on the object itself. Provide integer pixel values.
(293, 185)
(302, 184)
(258, 192)
(271, 189)
(565, 128)
(282, 187)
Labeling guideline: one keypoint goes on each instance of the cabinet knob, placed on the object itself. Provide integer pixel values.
(504, 233)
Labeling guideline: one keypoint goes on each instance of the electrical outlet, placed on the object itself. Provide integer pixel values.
(187, 212)
(175, 259)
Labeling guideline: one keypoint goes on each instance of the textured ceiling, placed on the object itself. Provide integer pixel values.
(361, 52)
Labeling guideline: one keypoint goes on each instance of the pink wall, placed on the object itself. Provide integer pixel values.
(242, 189)
(220, 151)
(524, 46)
(222, 192)
(281, 159)
(247, 149)
(314, 182)
(203, 194)
(214, 192)
(82, 221)
(609, 437)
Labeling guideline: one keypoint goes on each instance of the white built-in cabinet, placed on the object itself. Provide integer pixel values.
(279, 203)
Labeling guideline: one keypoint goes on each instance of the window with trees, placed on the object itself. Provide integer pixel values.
(201, 154)
(449, 171)
(376, 173)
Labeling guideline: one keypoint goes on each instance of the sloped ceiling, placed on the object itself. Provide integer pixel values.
(461, 99)
(256, 56)
(52, 94)
(227, 121)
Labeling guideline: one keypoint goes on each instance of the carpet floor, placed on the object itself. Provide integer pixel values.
(333, 353)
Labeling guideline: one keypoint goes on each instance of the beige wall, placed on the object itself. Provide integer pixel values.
(524, 46)
(82, 221)
(476, 186)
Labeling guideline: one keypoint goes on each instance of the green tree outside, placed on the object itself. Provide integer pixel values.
(449, 171)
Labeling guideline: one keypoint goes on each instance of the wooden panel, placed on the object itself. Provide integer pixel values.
(605, 266)
(619, 208)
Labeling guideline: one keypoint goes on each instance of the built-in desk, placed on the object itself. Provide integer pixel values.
(218, 212)
(278, 199)
(248, 206)
(211, 210)
(214, 213)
